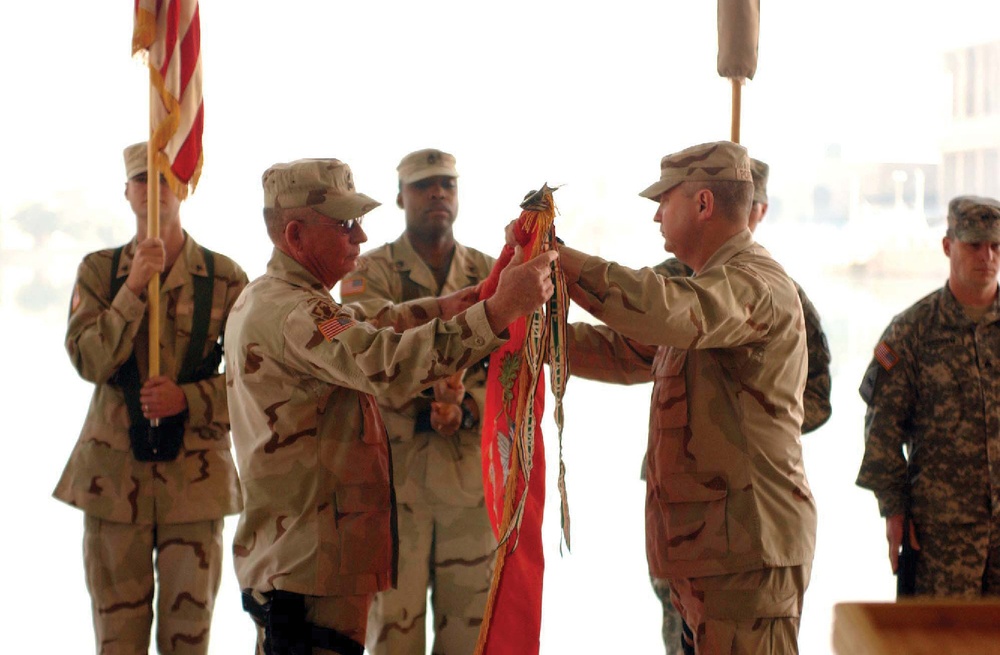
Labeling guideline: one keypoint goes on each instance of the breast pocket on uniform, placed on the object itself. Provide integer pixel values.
(670, 389)
(689, 515)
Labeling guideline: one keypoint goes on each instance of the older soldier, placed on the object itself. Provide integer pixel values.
(816, 397)
(316, 539)
(153, 501)
(445, 537)
(730, 518)
(932, 436)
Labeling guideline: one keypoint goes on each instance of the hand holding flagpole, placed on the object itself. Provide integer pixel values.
(168, 35)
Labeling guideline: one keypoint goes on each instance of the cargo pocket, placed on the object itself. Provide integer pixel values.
(688, 514)
(362, 518)
(670, 389)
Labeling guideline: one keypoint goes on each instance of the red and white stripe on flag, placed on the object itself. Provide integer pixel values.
(169, 32)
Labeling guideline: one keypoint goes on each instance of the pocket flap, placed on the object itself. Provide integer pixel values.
(697, 487)
(358, 498)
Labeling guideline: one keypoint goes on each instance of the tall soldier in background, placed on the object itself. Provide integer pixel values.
(445, 539)
(816, 398)
(932, 428)
(153, 498)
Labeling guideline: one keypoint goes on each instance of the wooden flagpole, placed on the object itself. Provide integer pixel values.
(737, 108)
(739, 28)
(152, 232)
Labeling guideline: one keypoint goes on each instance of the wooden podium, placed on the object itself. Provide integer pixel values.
(917, 627)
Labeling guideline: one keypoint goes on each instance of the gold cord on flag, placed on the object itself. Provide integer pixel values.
(545, 341)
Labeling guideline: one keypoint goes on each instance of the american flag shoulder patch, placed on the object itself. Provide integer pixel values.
(886, 356)
(334, 326)
(352, 287)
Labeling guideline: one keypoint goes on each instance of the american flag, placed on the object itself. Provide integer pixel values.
(352, 286)
(886, 356)
(168, 32)
(334, 326)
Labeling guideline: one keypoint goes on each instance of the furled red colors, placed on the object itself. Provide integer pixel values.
(513, 450)
(169, 32)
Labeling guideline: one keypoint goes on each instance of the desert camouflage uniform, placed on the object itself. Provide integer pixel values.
(446, 541)
(816, 400)
(726, 487)
(932, 440)
(310, 441)
(133, 508)
(817, 394)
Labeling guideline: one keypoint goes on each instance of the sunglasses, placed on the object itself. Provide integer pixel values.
(346, 226)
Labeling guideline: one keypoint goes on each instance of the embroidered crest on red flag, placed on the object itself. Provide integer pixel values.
(168, 34)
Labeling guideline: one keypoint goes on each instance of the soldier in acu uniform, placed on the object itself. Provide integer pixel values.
(316, 539)
(154, 502)
(816, 398)
(730, 518)
(932, 428)
(445, 538)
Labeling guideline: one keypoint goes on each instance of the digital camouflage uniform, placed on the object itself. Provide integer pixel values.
(727, 496)
(312, 449)
(932, 440)
(134, 508)
(816, 401)
(446, 541)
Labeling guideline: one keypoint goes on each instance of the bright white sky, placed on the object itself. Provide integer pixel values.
(590, 95)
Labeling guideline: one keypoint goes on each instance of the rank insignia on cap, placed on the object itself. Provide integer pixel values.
(352, 287)
(334, 326)
(885, 356)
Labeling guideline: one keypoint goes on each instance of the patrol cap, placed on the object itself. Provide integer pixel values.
(720, 160)
(974, 219)
(759, 171)
(326, 185)
(426, 163)
(135, 160)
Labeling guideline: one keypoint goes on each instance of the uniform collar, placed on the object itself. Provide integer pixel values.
(405, 259)
(285, 268)
(736, 244)
(953, 312)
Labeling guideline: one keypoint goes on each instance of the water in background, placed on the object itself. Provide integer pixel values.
(596, 599)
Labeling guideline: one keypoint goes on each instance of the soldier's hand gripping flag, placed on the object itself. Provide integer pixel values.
(513, 451)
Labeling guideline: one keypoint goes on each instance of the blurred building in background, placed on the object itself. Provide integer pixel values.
(970, 151)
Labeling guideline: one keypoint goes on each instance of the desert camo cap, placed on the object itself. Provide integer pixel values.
(719, 160)
(974, 219)
(425, 163)
(326, 185)
(759, 171)
(135, 160)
